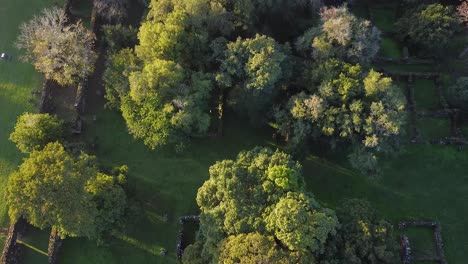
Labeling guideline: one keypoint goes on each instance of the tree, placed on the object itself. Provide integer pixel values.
(54, 189)
(347, 105)
(254, 69)
(119, 66)
(362, 237)
(428, 26)
(111, 9)
(254, 198)
(34, 131)
(462, 11)
(118, 37)
(341, 35)
(172, 39)
(63, 51)
(458, 93)
(165, 104)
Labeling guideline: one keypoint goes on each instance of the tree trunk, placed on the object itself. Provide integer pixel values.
(221, 103)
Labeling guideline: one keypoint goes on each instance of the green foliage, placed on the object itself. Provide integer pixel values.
(34, 131)
(172, 39)
(54, 189)
(118, 68)
(428, 26)
(162, 96)
(254, 69)
(458, 93)
(363, 237)
(345, 104)
(244, 197)
(296, 223)
(257, 248)
(341, 35)
(166, 106)
(119, 37)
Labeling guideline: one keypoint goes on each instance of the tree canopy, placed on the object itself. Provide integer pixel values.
(162, 96)
(260, 197)
(345, 103)
(428, 26)
(254, 69)
(458, 93)
(362, 237)
(54, 189)
(34, 131)
(341, 35)
(61, 50)
(111, 9)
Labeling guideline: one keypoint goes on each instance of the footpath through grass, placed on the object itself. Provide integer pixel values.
(17, 81)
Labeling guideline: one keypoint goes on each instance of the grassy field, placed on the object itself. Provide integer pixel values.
(425, 94)
(17, 82)
(383, 15)
(390, 48)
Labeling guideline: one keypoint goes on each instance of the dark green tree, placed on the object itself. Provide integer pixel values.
(362, 238)
(254, 70)
(428, 26)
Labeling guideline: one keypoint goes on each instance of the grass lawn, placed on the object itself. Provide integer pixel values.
(17, 81)
(390, 48)
(383, 15)
(406, 68)
(425, 182)
(434, 128)
(35, 246)
(425, 94)
(421, 241)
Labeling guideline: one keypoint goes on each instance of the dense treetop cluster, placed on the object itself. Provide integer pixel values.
(254, 210)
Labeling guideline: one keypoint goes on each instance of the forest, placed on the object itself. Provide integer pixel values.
(247, 131)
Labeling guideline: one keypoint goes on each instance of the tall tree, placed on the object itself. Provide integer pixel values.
(255, 197)
(428, 26)
(346, 104)
(54, 189)
(63, 51)
(342, 35)
(254, 70)
(363, 237)
(34, 131)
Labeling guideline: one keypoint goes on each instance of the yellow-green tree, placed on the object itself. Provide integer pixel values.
(34, 131)
(54, 189)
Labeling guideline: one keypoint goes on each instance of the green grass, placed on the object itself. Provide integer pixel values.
(35, 245)
(407, 68)
(164, 182)
(17, 81)
(425, 182)
(425, 94)
(390, 48)
(421, 241)
(434, 128)
(383, 15)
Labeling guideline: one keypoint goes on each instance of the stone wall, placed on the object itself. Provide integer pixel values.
(12, 251)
